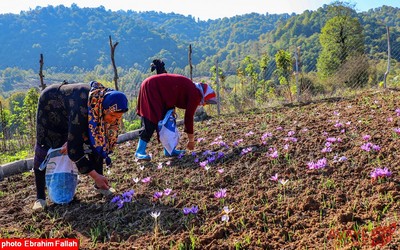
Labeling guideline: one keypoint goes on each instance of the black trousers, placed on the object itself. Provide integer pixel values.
(148, 131)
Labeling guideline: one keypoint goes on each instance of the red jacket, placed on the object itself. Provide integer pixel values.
(159, 93)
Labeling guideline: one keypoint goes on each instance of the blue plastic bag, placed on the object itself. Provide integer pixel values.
(168, 131)
(61, 176)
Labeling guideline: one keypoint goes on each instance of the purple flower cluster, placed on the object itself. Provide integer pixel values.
(273, 153)
(321, 163)
(368, 146)
(380, 173)
(220, 193)
(190, 210)
(246, 150)
(124, 198)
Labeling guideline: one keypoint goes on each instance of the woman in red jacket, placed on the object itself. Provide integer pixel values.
(162, 92)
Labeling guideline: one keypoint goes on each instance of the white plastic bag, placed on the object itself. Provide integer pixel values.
(61, 176)
(168, 131)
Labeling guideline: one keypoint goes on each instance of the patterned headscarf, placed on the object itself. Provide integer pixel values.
(208, 94)
(102, 100)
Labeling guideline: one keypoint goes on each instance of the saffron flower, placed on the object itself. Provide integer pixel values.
(203, 164)
(273, 153)
(291, 133)
(226, 210)
(380, 173)
(135, 179)
(146, 180)
(167, 191)
(283, 182)
(220, 193)
(155, 214)
(274, 177)
(157, 195)
(220, 170)
(397, 111)
(397, 130)
(200, 139)
(159, 166)
(338, 124)
(246, 150)
(190, 210)
(368, 146)
(249, 133)
(236, 143)
(366, 137)
(321, 163)
(225, 218)
(127, 196)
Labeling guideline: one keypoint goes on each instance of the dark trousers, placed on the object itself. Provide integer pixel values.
(148, 131)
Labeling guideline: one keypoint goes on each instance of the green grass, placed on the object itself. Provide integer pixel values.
(15, 156)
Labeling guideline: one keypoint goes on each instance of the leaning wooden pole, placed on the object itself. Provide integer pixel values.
(112, 47)
(190, 62)
(41, 62)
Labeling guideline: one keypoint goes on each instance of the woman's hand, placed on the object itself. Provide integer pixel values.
(100, 180)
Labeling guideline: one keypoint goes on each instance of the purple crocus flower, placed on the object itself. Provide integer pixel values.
(187, 210)
(366, 137)
(167, 191)
(220, 193)
(380, 173)
(274, 177)
(236, 143)
(157, 195)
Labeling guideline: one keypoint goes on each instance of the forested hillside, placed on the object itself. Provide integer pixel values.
(75, 40)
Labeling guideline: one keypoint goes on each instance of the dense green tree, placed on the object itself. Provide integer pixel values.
(341, 37)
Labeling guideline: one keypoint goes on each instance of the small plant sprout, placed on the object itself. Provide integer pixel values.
(160, 165)
(135, 180)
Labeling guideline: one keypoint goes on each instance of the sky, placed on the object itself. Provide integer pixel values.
(202, 9)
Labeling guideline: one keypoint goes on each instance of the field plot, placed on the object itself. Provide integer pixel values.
(322, 175)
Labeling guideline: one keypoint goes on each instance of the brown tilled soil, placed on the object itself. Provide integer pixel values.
(336, 207)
